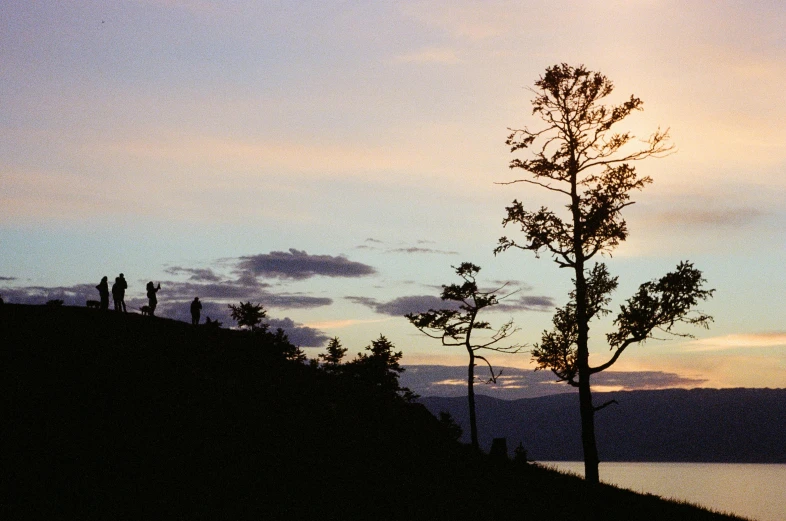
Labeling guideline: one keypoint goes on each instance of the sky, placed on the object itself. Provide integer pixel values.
(334, 160)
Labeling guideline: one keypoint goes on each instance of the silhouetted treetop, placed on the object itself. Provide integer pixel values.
(248, 315)
(379, 366)
(334, 356)
(578, 148)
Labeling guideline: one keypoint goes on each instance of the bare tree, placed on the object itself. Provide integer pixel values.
(581, 158)
(454, 327)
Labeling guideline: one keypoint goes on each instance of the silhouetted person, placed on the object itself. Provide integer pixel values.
(116, 294)
(122, 286)
(196, 310)
(103, 292)
(152, 300)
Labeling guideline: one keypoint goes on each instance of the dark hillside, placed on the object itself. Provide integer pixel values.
(112, 416)
(125, 413)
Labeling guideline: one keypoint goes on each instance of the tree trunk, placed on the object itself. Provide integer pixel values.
(587, 410)
(591, 459)
(473, 424)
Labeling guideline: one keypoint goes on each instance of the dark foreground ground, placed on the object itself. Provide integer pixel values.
(109, 416)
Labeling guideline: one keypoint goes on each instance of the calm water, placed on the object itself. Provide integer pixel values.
(753, 491)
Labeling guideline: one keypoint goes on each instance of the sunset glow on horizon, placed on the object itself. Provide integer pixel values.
(333, 160)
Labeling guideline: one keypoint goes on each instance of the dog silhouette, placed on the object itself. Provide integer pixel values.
(145, 311)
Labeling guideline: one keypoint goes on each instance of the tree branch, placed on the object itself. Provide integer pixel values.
(570, 381)
(491, 369)
(599, 407)
(530, 181)
(657, 152)
(617, 353)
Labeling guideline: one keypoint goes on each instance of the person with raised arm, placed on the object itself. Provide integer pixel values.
(152, 300)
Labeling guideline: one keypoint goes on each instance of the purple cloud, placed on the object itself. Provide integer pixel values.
(418, 249)
(421, 303)
(300, 265)
(525, 303)
(196, 274)
(298, 334)
(403, 305)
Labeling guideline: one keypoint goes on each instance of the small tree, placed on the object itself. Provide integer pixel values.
(454, 327)
(380, 368)
(248, 315)
(581, 159)
(335, 354)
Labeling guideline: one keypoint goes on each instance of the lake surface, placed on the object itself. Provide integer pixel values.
(750, 490)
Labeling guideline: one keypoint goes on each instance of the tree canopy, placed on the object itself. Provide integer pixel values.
(248, 315)
(332, 359)
(378, 366)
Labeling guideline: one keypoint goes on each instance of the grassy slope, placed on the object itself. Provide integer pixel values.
(122, 416)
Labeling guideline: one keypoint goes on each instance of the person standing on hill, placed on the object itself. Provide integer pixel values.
(196, 310)
(103, 292)
(116, 293)
(152, 300)
(122, 286)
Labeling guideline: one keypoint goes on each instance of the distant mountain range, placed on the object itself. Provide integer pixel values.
(698, 425)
